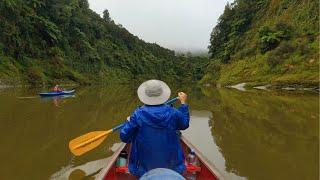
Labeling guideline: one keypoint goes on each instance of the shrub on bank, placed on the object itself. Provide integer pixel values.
(34, 76)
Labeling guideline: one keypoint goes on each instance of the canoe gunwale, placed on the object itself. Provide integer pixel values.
(212, 168)
(113, 158)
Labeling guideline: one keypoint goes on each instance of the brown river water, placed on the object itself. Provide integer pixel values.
(252, 135)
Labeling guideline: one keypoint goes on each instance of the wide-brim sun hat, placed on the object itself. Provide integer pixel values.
(154, 92)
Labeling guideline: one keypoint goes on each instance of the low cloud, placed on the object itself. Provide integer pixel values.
(183, 25)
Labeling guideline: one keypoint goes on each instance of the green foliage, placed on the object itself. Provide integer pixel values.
(281, 53)
(268, 39)
(214, 67)
(232, 24)
(212, 73)
(283, 30)
(106, 16)
(6, 66)
(34, 75)
(64, 40)
(76, 77)
(267, 42)
(48, 30)
(8, 4)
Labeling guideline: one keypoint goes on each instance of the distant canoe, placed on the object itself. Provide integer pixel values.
(57, 93)
(205, 170)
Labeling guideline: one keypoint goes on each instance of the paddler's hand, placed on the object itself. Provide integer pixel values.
(182, 97)
(128, 118)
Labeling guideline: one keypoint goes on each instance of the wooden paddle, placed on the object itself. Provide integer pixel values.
(91, 140)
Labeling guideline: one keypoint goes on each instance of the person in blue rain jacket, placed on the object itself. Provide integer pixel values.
(151, 129)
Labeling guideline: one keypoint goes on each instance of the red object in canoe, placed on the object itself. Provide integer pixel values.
(204, 171)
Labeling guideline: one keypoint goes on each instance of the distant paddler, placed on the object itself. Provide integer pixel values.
(57, 88)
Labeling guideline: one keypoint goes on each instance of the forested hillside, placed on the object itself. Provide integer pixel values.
(57, 41)
(266, 42)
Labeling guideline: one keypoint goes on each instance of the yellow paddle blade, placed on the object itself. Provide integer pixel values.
(87, 142)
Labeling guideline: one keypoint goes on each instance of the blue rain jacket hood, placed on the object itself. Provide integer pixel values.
(155, 144)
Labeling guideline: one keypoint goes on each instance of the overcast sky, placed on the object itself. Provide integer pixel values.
(175, 24)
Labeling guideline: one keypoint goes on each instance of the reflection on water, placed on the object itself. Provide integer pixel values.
(35, 133)
(89, 169)
(247, 135)
(57, 100)
(199, 133)
(264, 135)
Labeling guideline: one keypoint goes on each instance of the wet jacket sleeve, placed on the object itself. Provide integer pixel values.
(182, 115)
(129, 129)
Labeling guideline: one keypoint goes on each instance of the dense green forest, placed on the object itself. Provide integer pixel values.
(59, 41)
(255, 41)
(263, 42)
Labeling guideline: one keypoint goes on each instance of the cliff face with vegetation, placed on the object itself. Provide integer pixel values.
(266, 42)
(52, 41)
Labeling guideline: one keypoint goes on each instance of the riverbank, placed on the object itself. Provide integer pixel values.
(243, 86)
(297, 73)
(293, 87)
(304, 73)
